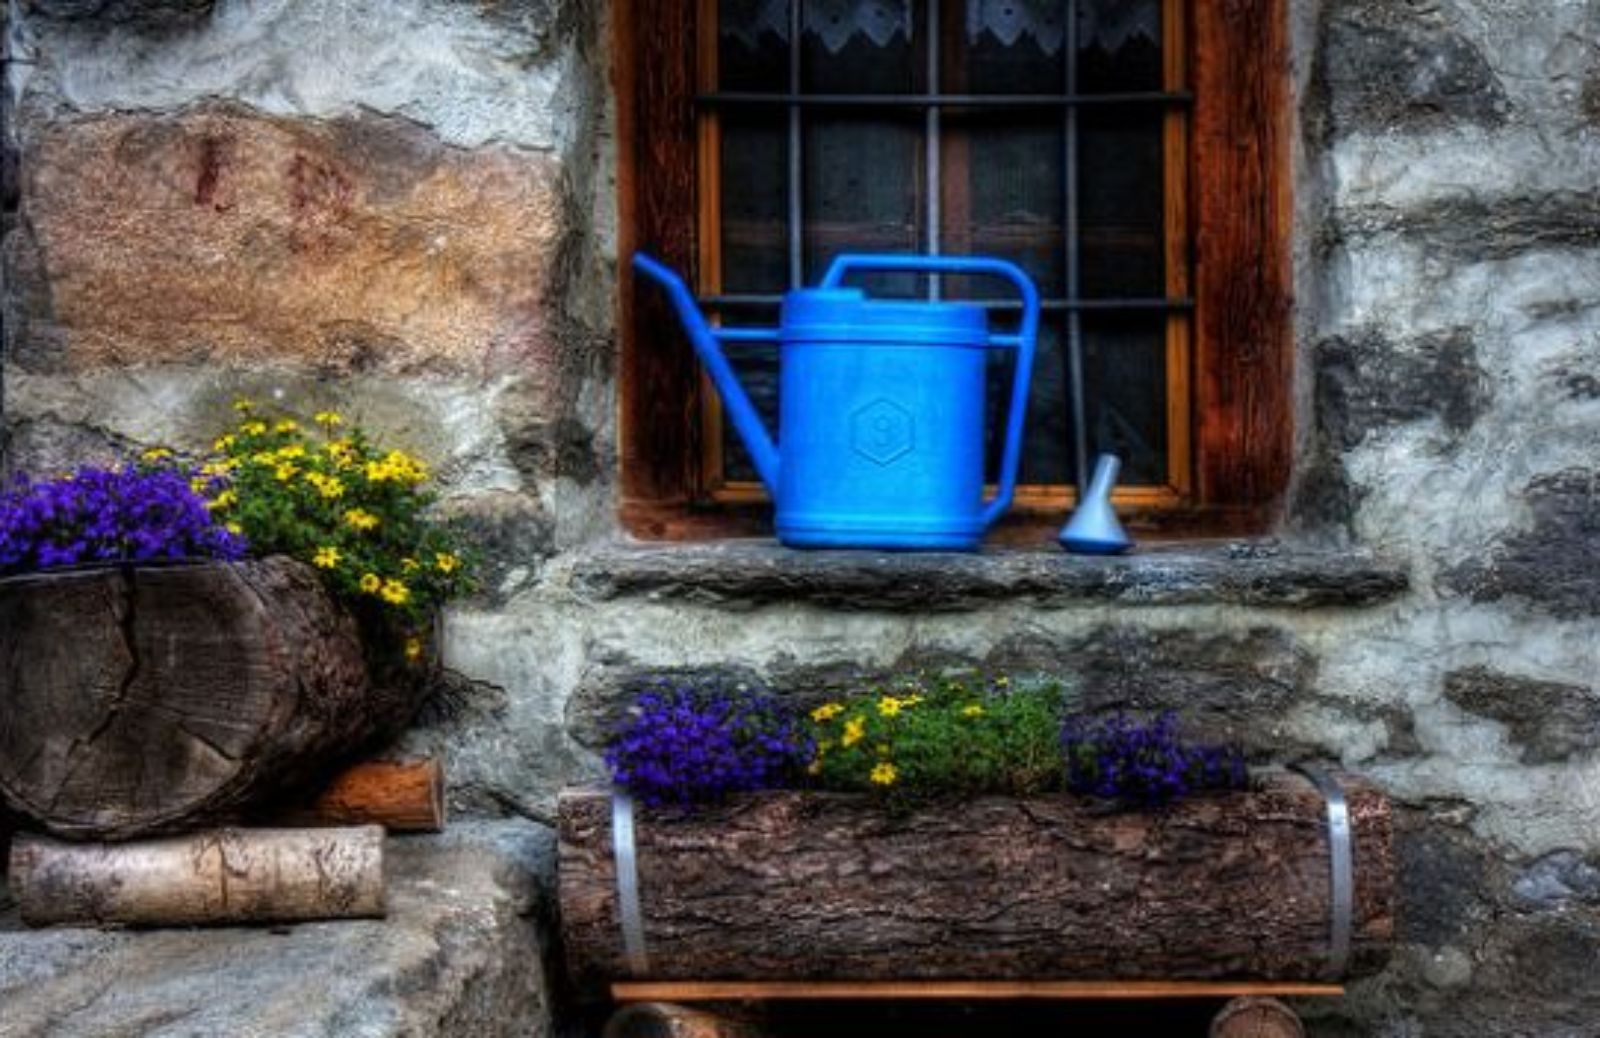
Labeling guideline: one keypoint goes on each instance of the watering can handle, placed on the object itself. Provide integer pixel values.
(1024, 341)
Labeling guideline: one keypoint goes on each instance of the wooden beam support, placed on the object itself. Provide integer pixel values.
(962, 991)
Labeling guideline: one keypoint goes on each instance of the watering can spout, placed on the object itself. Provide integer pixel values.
(746, 420)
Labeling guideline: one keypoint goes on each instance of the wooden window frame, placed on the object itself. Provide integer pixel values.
(1237, 207)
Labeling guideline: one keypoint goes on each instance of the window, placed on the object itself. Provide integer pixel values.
(1126, 152)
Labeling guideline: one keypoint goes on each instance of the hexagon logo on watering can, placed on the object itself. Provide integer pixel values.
(882, 432)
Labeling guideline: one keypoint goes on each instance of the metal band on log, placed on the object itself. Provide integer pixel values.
(798, 886)
(143, 700)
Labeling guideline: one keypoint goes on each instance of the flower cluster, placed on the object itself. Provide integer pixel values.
(109, 515)
(1146, 763)
(335, 499)
(946, 735)
(688, 743)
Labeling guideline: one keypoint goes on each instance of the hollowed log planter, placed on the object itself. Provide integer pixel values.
(140, 700)
(808, 886)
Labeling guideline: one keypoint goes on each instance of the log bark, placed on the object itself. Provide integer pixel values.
(401, 796)
(141, 700)
(223, 876)
(808, 886)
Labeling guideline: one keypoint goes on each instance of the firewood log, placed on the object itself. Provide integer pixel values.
(222, 876)
(401, 796)
(136, 701)
(1257, 1018)
(810, 886)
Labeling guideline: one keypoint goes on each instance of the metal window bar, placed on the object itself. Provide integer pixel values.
(796, 102)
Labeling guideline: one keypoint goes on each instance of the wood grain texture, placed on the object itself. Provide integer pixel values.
(820, 887)
(661, 1020)
(223, 876)
(142, 700)
(655, 77)
(402, 796)
(1243, 278)
(1257, 1017)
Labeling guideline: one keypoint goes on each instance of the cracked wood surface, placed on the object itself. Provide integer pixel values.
(139, 700)
(808, 886)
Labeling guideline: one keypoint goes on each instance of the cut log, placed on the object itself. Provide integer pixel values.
(1257, 1018)
(662, 1020)
(142, 700)
(401, 796)
(809, 886)
(224, 876)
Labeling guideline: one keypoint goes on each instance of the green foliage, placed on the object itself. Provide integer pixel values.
(344, 504)
(935, 736)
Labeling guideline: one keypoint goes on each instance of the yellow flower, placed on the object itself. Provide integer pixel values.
(889, 706)
(156, 454)
(288, 425)
(974, 710)
(329, 487)
(854, 730)
(199, 486)
(827, 712)
(293, 450)
(446, 562)
(218, 468)
(410, 565)
(224, 443)
(233, 528)
(226, 499)
(413, 649)
(371, 583)
(395, 593)
(326, 558)
(328, 419)
(342, 453)
(884, 774)
(254, 428)
(358, 519)
(244, 405)
(284, 473)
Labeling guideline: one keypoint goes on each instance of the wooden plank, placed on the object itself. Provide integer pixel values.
(1243, 280)
(1064, 990)
(654, 76)
(1180, 329)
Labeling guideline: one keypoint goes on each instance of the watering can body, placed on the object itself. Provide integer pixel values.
(881, 407)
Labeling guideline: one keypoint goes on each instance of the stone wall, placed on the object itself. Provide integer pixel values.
(404, 209)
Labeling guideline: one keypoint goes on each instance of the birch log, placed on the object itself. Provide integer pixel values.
(223, 876)
(137, 701)
(808, 886)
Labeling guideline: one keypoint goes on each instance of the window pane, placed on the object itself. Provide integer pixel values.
(1003, 196)
(863, 193)
(1125, 374)
(1119, 46)
(753, 45)
(1047, 437)
(1122, 205)
(757, 368)
(1012, 47)
(755, 172)
(861, 46)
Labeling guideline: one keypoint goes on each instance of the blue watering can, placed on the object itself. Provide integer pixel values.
(881, 406)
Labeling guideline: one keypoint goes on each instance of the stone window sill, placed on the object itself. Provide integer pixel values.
(739, 574)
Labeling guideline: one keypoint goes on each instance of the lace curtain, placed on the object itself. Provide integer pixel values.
(1107, 23)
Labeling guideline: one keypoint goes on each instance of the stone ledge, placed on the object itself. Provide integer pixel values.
(750, 573)
(458, 955)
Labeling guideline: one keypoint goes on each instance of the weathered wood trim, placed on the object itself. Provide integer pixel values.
(1243, 277)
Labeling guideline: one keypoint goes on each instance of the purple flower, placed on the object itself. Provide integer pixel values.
(108, 515)
(1145, 762)
(686, 743)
